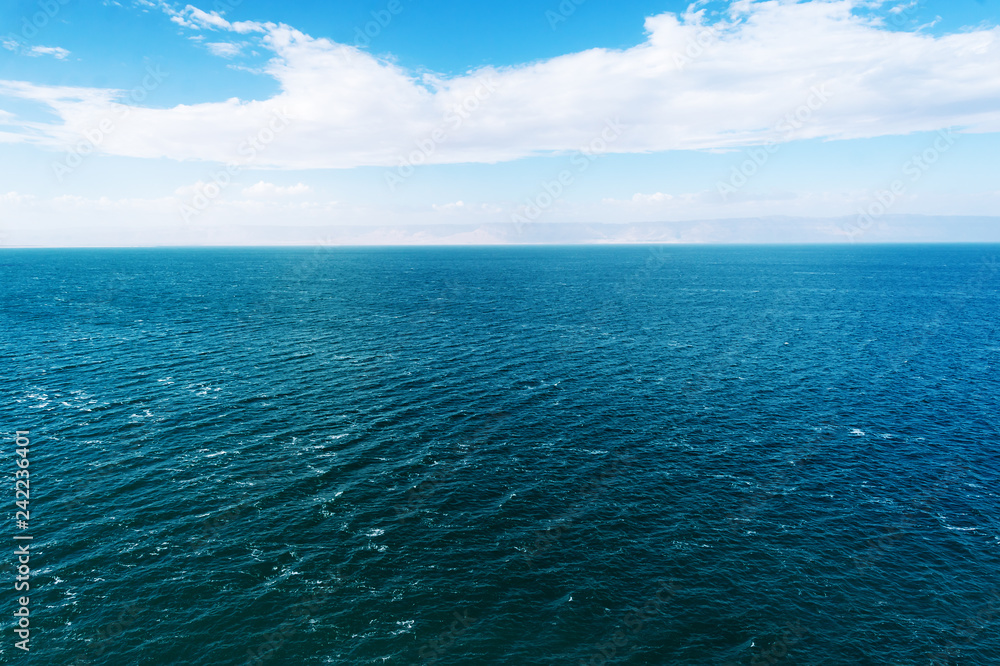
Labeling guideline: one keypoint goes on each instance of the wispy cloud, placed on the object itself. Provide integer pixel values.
(224, 49)
(198, 19)
(54, 51)
(267, 190)
(348, 108)
(34, 51)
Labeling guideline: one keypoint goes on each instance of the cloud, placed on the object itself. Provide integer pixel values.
(655, 198)
(224, 49)
(192, 17)
(35, 51)
(16, 198)
(448, 207)
(767, 71)
(56, 51)
(268, 190)
(82, 110)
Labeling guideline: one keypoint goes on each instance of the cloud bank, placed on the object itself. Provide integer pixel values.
(770, 71)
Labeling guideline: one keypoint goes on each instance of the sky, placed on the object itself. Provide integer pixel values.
(258, 121)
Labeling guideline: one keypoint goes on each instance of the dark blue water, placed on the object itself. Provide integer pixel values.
(724, 456)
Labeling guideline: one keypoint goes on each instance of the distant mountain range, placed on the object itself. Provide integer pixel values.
(763, 230)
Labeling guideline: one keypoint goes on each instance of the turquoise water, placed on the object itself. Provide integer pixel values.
(584, 455)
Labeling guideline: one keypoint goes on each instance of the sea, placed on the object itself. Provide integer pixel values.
(581, 455)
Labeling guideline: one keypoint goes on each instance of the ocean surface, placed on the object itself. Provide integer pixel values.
(520, 455)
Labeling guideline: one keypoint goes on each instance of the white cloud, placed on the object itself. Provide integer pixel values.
(16, 198)
(192, 17)
(35, 51)
(197, 19)
(899, 9)
(655, 198)
(770, 71)
(268, 190)
(82, 110)
(450, 207)
(224, 49)
(55, 51)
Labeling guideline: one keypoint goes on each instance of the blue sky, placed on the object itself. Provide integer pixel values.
(168, 120)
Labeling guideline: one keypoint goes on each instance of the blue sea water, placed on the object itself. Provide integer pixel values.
(576, 455)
